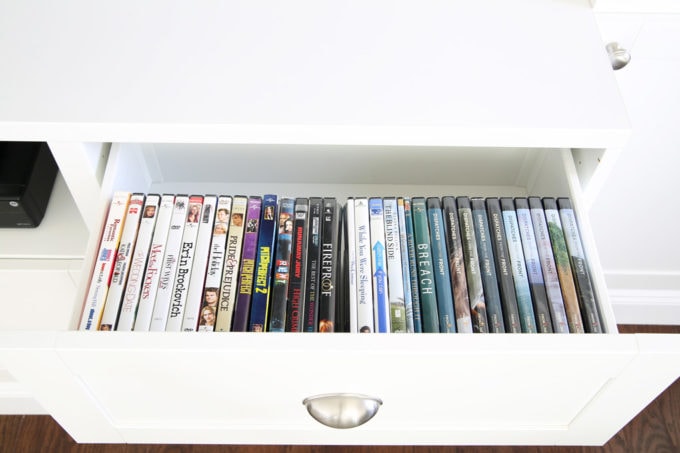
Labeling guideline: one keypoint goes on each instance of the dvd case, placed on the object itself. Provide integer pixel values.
(168, 272)
(472, 269)
(395, 278)
(329, 277)
(381, 299)
(426, 284)
(121, 266)
(579, 265)
(281, 272)
(200, 264)
(365, 311)
(184, 265)
(454, 247)
(154, 264)
(232, 263)
(133, 287)
(298, 270)
(103, 268)
(440, 265)
(266, 242)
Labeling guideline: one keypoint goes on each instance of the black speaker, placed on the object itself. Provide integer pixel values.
(27, 174)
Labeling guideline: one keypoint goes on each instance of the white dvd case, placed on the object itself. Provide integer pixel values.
(185, 263)
(213, 278)
(365, 321)
(133, 286)
(200, 264)
(121, 266)
(351, 265)
(395, 276)
(166, 282)
(101, 274)
(154, 264)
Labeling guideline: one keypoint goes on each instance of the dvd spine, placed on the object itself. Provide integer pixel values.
(121, 267)
(454, 247)
(440, 265)
(135, 281)
(265, 253)
(405, 268)
(154, 264)
(395, 278)
(298, 271)
(168, 273)
(279, 296)
(184, 265)
(247, 272)
(519, 270)
(426, 285)
(412, 266)
(328, 265)
(101, 275)
(200, 264)
(351, 250)
(579, 265)
(213, 277)
(561, 256)
(545, 254)
(232, 262)
(365, 311)
(472, 269)
(381, 299)
(311, 301)
(506, 284)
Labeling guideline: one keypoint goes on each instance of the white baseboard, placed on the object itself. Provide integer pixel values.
(645, 298)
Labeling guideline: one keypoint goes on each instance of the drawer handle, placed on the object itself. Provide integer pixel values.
(342, 410)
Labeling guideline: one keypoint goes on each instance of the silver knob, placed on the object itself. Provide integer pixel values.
(618, 56)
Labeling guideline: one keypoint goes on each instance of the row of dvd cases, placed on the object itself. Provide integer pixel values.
(382, 264)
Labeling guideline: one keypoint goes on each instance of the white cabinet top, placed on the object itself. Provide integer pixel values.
(490, 72)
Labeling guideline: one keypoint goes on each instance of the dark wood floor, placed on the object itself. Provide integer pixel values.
(655, 430)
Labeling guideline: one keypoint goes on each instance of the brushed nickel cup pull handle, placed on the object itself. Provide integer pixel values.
(342, 410)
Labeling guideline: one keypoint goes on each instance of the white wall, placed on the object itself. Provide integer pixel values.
(636, 216)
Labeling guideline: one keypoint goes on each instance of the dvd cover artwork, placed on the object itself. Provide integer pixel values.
(311, 299)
